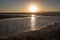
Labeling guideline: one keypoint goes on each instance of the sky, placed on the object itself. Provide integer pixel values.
(22, 5)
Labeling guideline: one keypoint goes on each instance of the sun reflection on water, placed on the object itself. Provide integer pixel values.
(33, 22)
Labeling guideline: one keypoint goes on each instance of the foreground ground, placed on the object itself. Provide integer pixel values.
(51, 32)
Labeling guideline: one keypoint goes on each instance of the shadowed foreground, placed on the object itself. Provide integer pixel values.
(51, 32)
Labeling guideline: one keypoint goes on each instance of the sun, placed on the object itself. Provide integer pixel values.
(33, 8)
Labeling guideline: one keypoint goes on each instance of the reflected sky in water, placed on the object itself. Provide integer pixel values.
(33, 21)
(23, 24)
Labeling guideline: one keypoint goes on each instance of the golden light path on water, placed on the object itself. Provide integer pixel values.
(33, 22)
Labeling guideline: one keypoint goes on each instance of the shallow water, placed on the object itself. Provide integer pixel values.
(23, 24)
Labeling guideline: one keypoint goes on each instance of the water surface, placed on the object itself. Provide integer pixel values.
(29, 23)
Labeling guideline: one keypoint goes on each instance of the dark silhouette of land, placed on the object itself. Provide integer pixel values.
(14, 15)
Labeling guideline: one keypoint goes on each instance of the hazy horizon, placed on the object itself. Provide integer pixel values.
(23, 5)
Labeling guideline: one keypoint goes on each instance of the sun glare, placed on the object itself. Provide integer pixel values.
(33, 8)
